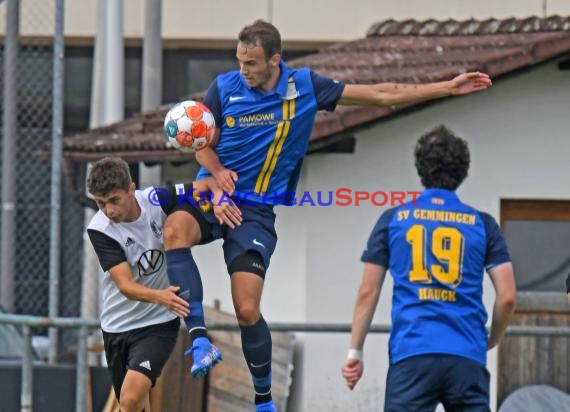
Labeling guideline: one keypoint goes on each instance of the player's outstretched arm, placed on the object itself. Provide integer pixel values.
(393, 94)
(504, 282)
(209, 159)
(123, 278)
(366, 301)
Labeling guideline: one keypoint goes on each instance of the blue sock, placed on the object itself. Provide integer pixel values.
(182, 271)
(256, 344)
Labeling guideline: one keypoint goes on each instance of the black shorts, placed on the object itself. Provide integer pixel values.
(145, 350)
(421, 382)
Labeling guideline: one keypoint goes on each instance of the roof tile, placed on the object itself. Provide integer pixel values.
(407, 51)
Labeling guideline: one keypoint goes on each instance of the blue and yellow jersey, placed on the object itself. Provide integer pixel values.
(264, 136)
(437, 251)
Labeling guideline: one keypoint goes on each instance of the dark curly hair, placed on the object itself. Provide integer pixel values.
(108, 174)
(442, 159)
(264, 34)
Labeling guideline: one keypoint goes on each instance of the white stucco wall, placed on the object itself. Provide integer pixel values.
(518, 136)
(325, 20)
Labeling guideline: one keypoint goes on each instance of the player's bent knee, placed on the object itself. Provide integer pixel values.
(250, 262)
(169, 233)
(247, 313)
(130, 402)
(180, 230)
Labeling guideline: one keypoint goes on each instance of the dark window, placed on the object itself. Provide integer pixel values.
(538, 235)
(77, 86)
(184, 72)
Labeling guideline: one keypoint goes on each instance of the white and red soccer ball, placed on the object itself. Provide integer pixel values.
(189, 126)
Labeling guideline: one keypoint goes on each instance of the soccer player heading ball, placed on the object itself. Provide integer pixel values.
(264, 114)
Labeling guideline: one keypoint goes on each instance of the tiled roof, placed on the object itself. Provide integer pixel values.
(407, 52)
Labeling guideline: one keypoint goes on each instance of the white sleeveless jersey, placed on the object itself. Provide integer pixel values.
(142, 243)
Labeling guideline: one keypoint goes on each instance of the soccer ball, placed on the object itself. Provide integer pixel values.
(189, 126)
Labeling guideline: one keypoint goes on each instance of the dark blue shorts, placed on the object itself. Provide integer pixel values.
(420, 383)
(256, 233)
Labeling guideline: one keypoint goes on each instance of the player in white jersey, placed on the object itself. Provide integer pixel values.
(140, 309)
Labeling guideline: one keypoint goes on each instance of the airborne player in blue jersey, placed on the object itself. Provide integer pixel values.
(264, 115)
(437, 250)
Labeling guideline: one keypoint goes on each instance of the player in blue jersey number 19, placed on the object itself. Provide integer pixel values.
(437, 250)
